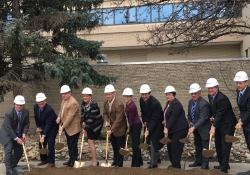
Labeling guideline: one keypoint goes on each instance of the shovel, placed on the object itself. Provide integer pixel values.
(125, 151)
(43, 150)
(59, 145)
(165, 140)
(231, 139)
(210, 152)
(186, 139)
(144, 145)
(106, 164)
(79, 164)
(25, 153)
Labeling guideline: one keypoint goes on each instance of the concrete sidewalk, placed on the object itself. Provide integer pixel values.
(235, 167)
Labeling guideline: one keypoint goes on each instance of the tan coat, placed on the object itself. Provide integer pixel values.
(116, 117)
(71, 117)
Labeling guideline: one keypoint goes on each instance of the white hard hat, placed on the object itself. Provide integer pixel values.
(64, 89)
(40, 97)
(169, 89)
(145, 89)
(241, 76)
(127, 91)
(87, 91)
(194, 88)
(109, 88)
(19, 100)
(211, 82)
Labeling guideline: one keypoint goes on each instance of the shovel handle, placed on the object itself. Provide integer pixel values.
(39, 140)
(235, 132)
(210, 138)
(25, 153)
(126, 144)
(145, 135)
(81, 148)
(107, 139)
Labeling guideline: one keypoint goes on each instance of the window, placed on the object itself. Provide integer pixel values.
(132, 15)
(143, 14)
(108, 16)
(120, 16)
(165, 11)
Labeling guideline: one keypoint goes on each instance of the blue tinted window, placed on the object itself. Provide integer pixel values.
(178, 12)
(96, 15)
(108, 16)
(132, 15)
(155, 13)
(120, 16)
(165, 11)
(143, 14)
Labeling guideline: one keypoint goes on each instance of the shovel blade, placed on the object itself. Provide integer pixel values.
(124, 152)
(208, 153)
(106, 164)
(184, 140)
(43, 151)
(59, 146)
(79, 164)
(231, 139)
(165, 140)
(143, 146)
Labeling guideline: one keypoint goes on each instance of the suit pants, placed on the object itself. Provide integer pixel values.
(12, 159)
(199, 145)
(72, 146)
(175, 148)
(223, 149)
(247, 138)
(135, 137)
(117, 143)
(50, 140)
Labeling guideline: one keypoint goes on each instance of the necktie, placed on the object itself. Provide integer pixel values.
(63, 109)
(239, 98)
(165, 120)
(192, 112)
(40, 112)
(19, 125)
(212, 100)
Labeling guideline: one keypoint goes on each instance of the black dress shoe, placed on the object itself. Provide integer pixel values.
(195, 164)
(113, 164)
(11, 172)
(66, 163)
(152, 166)
(204, 167)
(218, 167)
(71, 164)
(159, 161)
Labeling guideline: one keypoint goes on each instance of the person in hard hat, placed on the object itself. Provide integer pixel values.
(135, 126)
(198, 116)
(70, 118)
(243, 101)
(13, 133)
(224, 121)
(45, 118)
(92, 121)
(152, 116)
(114, 117)
(176, 126)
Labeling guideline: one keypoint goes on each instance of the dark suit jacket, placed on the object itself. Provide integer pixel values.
(152, 114)
(175, 117)
(221, 109)
(10, 123)
(244, 108)
(201, 115)
(116, 117)
(47, 119)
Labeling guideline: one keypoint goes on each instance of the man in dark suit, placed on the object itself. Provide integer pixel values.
(224, 122)
(13, 133)
(114, 116)
(198, 116)
(243, 101)
(45, 118)
(152, 117)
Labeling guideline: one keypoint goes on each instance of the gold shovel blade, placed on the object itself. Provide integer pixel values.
(43, 151)
(184, 140)
(79, 164)
(165, 140)
(59, 146)
(106, 164)
(231, 139)
(143, 146)
(208, 153)
(123, 152)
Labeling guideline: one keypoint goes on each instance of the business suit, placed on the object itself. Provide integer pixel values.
(46, 120)
(177, 125)
(117, 119)
(8, 133)
(71, 120)
(152, 114)
(202, 126)
(224, 122)
(244, 107)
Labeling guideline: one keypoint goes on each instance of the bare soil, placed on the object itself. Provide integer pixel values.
(90, 170)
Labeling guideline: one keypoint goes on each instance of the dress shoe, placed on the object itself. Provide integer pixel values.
(159, 161)
(11, 172)
(218, 167)
(51, 165)
(204, 167)
(195, 164)
(42, 163)
(113, 164)
(71, 164)
(66, 163)
(152, 166)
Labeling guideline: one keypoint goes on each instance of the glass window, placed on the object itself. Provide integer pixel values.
(179, 11)
(120, 16)
(155, 13)
(143, 14)
(165, 11)
(132, 15)
(108, 16)
(96, 15)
